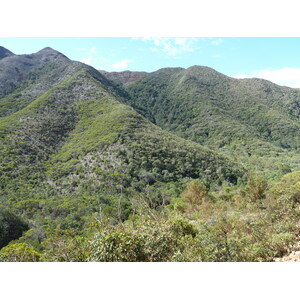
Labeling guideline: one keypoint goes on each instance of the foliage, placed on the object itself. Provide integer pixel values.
(88, 178)
(253, 120)
(256, 188)
(11, 227)
(224, 225)
(149, 241)
(65, 246)
(19, 252)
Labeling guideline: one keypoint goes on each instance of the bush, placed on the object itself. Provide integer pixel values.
(19, 252)
(115, 245)
(193, 196)
(148, 241)
(257, 188)
(65, 246)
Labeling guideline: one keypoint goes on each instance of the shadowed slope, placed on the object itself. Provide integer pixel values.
(5, 52)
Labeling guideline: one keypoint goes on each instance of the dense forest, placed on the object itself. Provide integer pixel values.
(175, 165)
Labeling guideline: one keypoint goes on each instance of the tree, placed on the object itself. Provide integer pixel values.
(11, 227)
(19, 252)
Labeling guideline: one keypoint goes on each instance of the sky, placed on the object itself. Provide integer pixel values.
(273, 58)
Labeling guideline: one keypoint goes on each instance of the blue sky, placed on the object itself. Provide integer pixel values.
(276, 59)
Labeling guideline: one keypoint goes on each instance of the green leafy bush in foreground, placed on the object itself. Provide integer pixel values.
(19, 252)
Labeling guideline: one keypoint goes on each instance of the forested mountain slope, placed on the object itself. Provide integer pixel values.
(244, 118)
(92, 170)
(77, 145)
(124, 76)
(23, 78)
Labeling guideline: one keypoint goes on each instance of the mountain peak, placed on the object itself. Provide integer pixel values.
(206, 75)
(48, 51)
(205, 70)
(5, 52)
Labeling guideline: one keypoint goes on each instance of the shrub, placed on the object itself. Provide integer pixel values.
(65, 246)
(148, 241)
(19, 252)
(257, 188)
(194, 195)
(116, 245)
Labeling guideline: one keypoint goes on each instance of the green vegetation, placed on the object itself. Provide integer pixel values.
(253, 121)
(86, 177)
(11, 227)
(34, 84)
(226, 225)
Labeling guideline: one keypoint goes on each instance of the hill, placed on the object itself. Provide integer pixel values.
(77, 147)
(248, 119)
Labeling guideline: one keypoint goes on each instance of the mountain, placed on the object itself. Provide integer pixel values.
(5, 52)
(161, 168)
(124, 77)
(251, 119)
(16, 68)
(23, 78)
(70, 144)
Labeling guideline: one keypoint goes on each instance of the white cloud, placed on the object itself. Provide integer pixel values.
(156, 42)
(122, 64)
(171, 46)
(103, 59)
(87, 60)
(93, 59)
(217, 42)
(90, 59)
(285, 76)
(217, 56)
(153, 49)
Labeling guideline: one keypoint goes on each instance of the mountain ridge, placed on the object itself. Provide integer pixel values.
(226, 114)
(5, 52)
(78, 138)
(124, 76)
